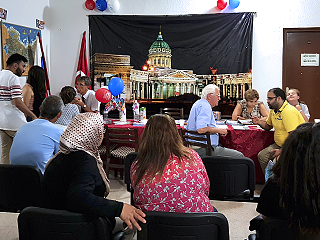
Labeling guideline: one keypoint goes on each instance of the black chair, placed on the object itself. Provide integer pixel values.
(36, 223)
(184, 226)
(127, 166)
(176, 113)
(277, 229)
(20, 187)
(194, 139)
(230, 178)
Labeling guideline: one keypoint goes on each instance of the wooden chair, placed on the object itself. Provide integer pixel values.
(194, 139)
(176, 113)
(119, 143)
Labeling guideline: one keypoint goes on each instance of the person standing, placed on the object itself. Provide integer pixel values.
(201, 119)
(12, 108)
(284, 118)
(87, 102)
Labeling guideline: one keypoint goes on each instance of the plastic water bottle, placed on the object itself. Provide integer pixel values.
(105, 116)
(135, 108)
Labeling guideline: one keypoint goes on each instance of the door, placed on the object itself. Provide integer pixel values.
(298, 41)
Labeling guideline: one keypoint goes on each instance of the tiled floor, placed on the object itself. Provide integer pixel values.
(238, 213)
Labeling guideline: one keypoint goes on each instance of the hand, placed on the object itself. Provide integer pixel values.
(298, 107)
(255, 120)
(223, 132)
(276, 153)
(78, 101)
(130, 214)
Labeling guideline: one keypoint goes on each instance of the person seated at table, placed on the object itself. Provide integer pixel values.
(292, 193)
(37, 141)
(201, 119)
(86, 99)
(284, 118)
(249, 107)
(75, 180)
(69, 110)
(293, 98)
(167, 176)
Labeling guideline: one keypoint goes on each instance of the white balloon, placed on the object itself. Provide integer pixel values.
(113, 5)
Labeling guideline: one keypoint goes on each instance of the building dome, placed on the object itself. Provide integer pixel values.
(160, 53)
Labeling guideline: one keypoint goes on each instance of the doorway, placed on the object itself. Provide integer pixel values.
(296, 43)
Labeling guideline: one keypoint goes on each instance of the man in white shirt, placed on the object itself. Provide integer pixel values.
(12, 108)
(87, 101)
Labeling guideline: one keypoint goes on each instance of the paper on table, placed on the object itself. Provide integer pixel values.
(121, 123)
(222, 126)
(240, 127)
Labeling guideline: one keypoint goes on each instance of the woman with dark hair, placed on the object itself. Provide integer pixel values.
(167, 176)
(293, 98)
(34, 91)
(293, 192)
(70, 110)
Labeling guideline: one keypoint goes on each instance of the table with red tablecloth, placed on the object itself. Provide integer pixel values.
(250, 142)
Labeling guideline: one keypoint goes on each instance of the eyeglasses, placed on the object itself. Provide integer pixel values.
(80, 85)
(218, 95)
(270, 98)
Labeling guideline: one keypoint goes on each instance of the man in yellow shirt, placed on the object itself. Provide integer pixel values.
(284, 118)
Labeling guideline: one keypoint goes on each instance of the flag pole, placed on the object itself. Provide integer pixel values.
(44, 65)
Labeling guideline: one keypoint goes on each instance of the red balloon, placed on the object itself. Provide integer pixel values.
(221, 4)
(103, 95)
(90, 4)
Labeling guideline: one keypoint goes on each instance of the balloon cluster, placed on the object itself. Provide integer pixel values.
(221, 4)
(116, 87)
(102, 5)
(115, 103)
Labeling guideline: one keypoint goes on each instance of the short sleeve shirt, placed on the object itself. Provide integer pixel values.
(287, 119)
(91, 101)
(201, 116)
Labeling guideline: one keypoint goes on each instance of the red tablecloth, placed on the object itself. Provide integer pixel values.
(250, 143)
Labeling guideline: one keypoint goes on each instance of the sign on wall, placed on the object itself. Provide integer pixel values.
(310, 59)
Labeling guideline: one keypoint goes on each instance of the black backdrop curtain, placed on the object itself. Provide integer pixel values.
(198, 42)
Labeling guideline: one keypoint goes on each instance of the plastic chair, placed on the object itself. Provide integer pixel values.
(20, 187)
(36, 223)
(194, 139)
(176, 113)
(119, 143)
(230, 178)
(184, 226)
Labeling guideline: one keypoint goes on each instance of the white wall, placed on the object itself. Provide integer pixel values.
(66, 20)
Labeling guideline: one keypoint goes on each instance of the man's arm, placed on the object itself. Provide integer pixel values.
(263, 124)
(213, 130)
(79, 102)
(23, 108)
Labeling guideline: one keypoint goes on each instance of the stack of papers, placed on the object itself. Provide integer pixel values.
(139, 123)
(245, 121)
(230, 122)
(121, 123)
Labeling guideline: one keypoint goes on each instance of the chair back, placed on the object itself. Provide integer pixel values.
(230, 177)
(176, 113)
(20, 187)
(36, 223)
(131, 157)
(184, 226)
(194, 139)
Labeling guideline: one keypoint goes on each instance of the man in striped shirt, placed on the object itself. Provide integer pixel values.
(12, 108)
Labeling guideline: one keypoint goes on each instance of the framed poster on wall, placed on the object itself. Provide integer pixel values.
(18, 39)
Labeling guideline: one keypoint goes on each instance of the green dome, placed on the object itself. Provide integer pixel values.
(159, 43)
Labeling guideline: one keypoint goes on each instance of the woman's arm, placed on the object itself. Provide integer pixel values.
(27, 93)
(264, 112)
(298, 107)
(237, 113)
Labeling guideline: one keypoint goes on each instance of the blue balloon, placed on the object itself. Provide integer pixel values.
(234, 3)
(116, 86)
(101, 5)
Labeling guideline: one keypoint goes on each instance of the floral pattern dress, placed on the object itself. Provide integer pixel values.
(255, 111)
(183, 187)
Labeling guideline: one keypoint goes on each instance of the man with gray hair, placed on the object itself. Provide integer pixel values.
(37, 141)
(201, 119)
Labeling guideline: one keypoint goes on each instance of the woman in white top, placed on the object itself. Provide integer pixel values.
(293, 98)
(69, 110)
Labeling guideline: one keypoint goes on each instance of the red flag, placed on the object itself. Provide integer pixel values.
(82, 69)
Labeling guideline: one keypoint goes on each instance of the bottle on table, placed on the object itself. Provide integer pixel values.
(105, 116)
(136, 113)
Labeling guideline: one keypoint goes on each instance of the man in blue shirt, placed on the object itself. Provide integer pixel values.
(37, 141)
(201, 119)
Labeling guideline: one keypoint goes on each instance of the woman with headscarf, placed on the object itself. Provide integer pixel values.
(74, 178)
